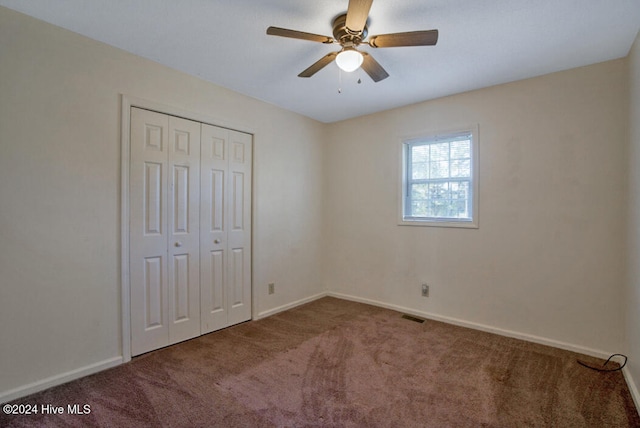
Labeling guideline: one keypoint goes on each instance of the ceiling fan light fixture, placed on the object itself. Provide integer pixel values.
(349, 60)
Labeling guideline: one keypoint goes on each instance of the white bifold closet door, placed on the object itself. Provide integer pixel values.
(225, 228)
(190, 246)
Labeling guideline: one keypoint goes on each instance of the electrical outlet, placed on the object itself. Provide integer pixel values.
(425, 290)
(272, 288)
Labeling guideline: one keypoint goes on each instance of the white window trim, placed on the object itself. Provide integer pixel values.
(475, 185)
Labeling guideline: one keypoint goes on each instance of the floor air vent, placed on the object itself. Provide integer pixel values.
(410, 318)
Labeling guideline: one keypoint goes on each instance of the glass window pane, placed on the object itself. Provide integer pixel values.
(461, 168)
(420, 153)
(461, 149)
(459, 209)
(438, 191)
(431, 209)
(419, 162)
(419, 192)
(440, 169)
(454, 188)
(459, 190)
(439, 151)
(419, 208)
(419, 170)
(439, 208)
(449, 210)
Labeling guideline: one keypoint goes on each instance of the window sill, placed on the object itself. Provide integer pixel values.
(439, 223)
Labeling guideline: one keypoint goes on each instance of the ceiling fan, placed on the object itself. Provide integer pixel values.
(350, 30)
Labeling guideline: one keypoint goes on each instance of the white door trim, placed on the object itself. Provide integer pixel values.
(127, 102)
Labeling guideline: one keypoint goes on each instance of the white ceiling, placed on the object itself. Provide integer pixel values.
(481, 43)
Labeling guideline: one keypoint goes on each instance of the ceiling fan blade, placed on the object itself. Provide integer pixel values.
(283, 32)
(411, 38)
(357, 15)
(319, 65)
(373, 69)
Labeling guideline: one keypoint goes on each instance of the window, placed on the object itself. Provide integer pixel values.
(440, 180)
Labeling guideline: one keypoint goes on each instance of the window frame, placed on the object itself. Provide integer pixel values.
(403, 200)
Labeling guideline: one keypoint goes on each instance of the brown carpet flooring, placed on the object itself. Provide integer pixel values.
(344, 364)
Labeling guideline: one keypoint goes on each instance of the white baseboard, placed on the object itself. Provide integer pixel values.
(106, 364)
(633, 389)
(508, 333)
(288, 306)
(38, 386)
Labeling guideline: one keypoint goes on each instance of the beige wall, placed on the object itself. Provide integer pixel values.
(633, 256)
(548, 259)
(59, 187)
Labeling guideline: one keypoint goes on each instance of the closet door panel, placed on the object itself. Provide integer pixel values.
(213, 228)
(184, 227)
(239, 226)
(148, 231)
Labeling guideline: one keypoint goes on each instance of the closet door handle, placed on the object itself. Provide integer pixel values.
(216, 241)
(178, 244)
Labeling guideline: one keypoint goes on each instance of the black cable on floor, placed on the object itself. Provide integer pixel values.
(603, 369)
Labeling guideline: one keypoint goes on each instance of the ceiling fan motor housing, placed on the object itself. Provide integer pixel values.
(344, 36)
